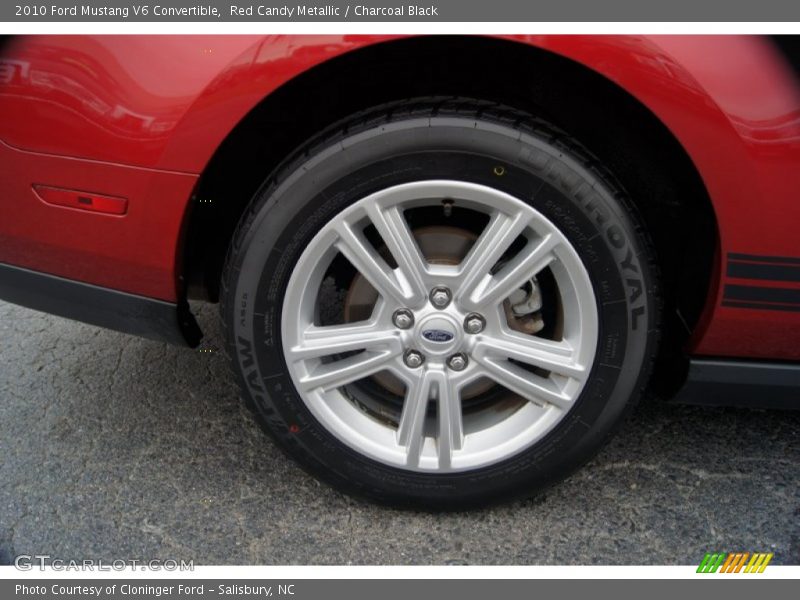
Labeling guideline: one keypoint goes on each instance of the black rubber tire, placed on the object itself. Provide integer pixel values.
(436, 138)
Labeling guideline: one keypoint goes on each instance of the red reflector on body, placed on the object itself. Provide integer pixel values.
(109, 205)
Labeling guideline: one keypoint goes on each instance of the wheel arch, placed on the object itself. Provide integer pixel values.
(532, 74)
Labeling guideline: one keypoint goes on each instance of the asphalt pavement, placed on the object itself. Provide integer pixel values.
(115, 447)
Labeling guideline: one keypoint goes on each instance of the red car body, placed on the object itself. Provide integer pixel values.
(139, 118)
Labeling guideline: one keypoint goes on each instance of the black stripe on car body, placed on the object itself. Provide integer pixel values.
(767, 272)
(789, 260)
(762, 268)
(752, 293)
(761, 306)
(768, 268)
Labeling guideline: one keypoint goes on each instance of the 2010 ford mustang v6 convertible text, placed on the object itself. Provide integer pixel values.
(447, 266)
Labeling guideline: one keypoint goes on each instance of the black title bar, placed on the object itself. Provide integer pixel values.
(400, 11)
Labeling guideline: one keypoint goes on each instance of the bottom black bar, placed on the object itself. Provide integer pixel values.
(755, 384)
(129, 313)
(730, 586)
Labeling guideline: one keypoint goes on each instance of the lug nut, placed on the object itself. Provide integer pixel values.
(474, 323)
(440, 296)
(403, 318)
(457, 362)
(413, 358)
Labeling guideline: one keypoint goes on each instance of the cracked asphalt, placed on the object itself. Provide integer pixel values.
(116, 447)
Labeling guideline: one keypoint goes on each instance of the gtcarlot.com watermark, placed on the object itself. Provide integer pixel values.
(42, 562)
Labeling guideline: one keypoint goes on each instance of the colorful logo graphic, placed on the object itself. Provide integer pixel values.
(735, 562)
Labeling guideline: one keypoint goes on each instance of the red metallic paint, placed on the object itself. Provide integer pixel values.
(134, 252)
(140, 117)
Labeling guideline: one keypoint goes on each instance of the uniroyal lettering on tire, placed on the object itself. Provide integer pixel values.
(441, 302)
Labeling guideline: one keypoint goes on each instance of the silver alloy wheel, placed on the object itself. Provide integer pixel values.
(447, 439)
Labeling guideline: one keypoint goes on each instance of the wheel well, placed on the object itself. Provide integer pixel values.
(633, 143)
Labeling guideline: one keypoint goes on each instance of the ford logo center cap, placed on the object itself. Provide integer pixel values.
(437, 335)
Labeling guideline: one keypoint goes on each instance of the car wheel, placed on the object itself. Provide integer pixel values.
(440, 303)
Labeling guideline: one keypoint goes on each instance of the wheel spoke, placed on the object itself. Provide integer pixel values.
(527, 263)
(393, 229)
(355, 247)
(524, 383)
(496, 238)
(379, 348)
(411, 430)
(433, 383)
(337, 339)
(556, 357)
(451, 427)
(347, 370)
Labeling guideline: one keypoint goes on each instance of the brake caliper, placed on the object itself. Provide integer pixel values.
(522, 308)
